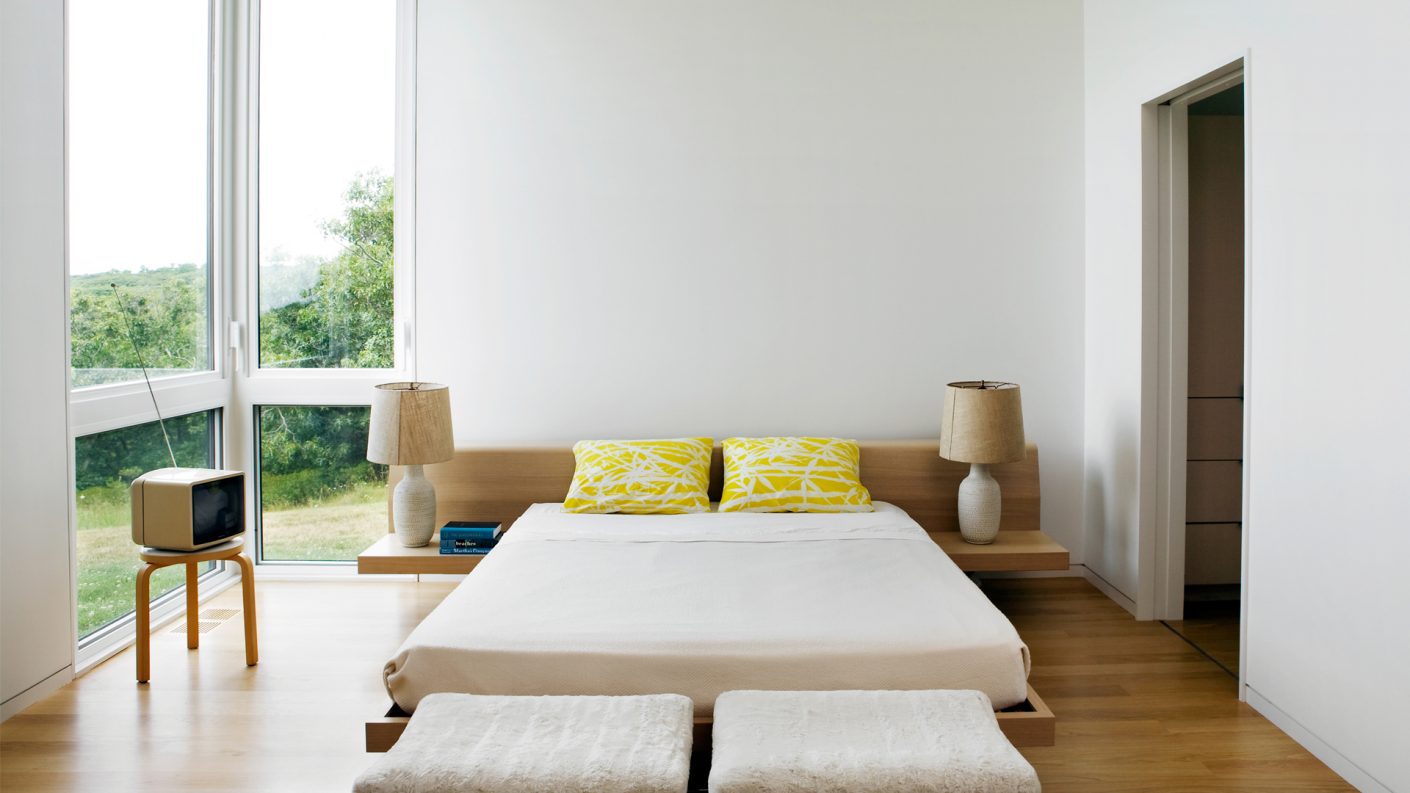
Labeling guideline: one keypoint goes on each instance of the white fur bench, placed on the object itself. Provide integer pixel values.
(863, 742)
(467, 743)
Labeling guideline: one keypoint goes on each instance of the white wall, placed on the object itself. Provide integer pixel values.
(1330, 195)
(643, 218)
(36, 623)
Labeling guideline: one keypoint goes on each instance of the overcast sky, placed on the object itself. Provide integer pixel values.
(137, 124)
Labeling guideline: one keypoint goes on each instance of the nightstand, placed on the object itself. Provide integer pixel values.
(388, 555)
(1011, 551)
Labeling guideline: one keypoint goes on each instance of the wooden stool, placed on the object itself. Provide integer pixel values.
(155, 559)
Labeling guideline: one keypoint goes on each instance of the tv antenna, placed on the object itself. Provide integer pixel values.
(132, 337)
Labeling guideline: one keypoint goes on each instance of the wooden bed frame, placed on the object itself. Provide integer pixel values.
(500, 483)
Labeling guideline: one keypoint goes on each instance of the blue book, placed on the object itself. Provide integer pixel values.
(463, 548)
(461, 545)
(470, 530)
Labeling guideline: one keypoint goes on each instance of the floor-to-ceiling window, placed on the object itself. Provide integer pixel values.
(326, 306)
(233, 240)
(142, 276)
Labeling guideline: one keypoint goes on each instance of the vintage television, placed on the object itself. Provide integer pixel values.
(187, 509)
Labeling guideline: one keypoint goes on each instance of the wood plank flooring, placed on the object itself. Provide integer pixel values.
(1138, 708)
(1213, 627)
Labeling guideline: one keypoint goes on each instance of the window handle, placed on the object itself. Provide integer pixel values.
(237, 342)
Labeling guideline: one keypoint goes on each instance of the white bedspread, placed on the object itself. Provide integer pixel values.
(706, 603)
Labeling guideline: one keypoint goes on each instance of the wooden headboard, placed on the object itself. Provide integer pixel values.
(500, 483)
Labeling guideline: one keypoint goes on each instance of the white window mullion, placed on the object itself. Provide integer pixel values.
(88, 415)
(405, 197)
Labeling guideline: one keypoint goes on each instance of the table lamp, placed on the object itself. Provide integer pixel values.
(982, 426)
(411, 426)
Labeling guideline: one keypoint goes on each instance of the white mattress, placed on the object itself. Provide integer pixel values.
(706, 603)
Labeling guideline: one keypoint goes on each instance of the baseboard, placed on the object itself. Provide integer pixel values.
(1110, 591)
(1333, 759)
(36, 692)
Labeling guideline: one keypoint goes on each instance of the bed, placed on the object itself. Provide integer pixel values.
(704, 603)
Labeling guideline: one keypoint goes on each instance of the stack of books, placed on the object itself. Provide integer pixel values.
(469, 537)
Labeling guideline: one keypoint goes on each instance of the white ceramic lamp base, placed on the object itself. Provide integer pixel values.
(979, 506)
(414, 508)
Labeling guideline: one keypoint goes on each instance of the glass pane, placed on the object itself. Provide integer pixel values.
(326, 148)
(137, 154)
(105, 464)
(320, 499)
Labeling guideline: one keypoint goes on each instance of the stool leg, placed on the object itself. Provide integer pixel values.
(144, 623)
(247, 586)
(193, 607)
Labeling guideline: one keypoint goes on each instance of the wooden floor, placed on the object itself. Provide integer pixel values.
(1212, 627)
(1138, 708)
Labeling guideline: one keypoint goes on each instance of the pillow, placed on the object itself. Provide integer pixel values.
(793, 475)
(663, 477)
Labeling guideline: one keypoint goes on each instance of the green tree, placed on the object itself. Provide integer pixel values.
(345, 319)
(309, 453)
(166, 308)
(116, 457)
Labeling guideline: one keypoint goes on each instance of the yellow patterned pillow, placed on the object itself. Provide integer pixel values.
(641, 477)
(793, 475)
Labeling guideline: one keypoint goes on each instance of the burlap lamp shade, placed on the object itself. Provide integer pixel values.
(982, 425)
(410, 426)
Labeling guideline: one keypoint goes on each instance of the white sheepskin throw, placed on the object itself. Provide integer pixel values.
(467, 743)
(863, 742)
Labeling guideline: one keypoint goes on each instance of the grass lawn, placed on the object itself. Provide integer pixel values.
(107, 574)
(333, 529)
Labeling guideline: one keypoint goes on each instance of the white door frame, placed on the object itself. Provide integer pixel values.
(1165, 354)
(1172, 340)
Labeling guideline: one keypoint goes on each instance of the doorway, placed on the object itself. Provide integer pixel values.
(1200, 384)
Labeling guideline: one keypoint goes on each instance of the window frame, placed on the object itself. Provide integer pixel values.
(105, 407)
(235, 385)
(217, 281)
(403, 211)
(258, 480)
(111, 638)
(258, 386)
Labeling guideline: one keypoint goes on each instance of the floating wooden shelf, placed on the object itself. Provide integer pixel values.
(388, 555)
(1013, 551)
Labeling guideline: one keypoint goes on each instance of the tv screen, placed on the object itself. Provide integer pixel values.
(217, 509)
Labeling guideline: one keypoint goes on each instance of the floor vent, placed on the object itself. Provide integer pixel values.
(219, 615)
(209, 620)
